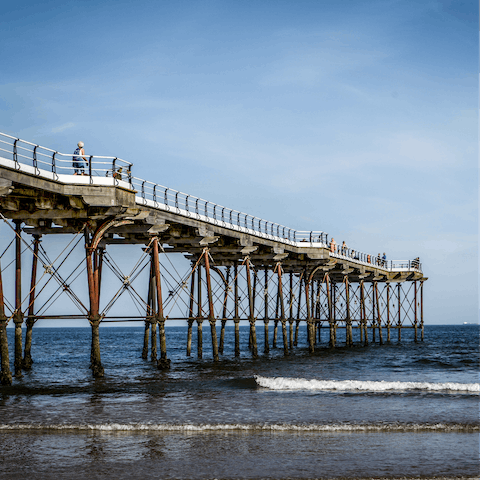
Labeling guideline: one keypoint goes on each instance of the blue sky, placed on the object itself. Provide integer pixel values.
(358, 118)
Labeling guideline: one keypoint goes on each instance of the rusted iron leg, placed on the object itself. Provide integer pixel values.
(310, 334)
(224, 313)
(297, 328)
(253, 335)
(379, 316)
(285, 337)
(222, 337)
(213, 332)
(199, 314)
(27, 357)
(211, 312)
(388, 313)
(415, 311)
(266, 346)
(348, 323)
(163, 362)
(97, 368)
(332, 334)
(311, 340)
(290, 333)
(18, 315)
(199, 338)
(146, 335)
(189, 337)
(149, 313)
(153, 344)
(421, 312)
(237, 336)
(154, 319)
(251, 315)
(331, 322)
(399, 324)
(275, 333)
(93, 315)
(5, 374)
(364, 313)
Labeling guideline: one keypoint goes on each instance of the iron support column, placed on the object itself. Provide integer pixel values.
(27, 356)
(311, 347)
(399, 312)
(388, 313)
(211, 311)
(282, 310)
(199, 314)
(190, 313)
(236, 319)
(224, 313)
(415, 312)
(348, 326)
(163, 362)
(266, 346)
(18, 314)
(251, 316)
(5, 374)
(93, 316)
(330, 313)
(379, 315)
(421, 311)
(364, 312)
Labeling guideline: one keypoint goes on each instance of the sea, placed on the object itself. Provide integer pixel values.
(398, 410)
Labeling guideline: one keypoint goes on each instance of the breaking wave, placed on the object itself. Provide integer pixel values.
(219, 428)
(284, 383)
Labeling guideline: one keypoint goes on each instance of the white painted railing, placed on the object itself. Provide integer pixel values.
(100, 170)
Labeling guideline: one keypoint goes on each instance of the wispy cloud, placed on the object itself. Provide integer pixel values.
(63, 127)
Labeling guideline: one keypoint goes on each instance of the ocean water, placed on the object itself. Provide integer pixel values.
(400, 410)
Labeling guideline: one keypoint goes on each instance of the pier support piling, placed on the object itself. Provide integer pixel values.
(5, 374)
(379, 315)
(282, 310)
(211, 312)
(27, 356)
(421, 312)
(18, 314)
(163, 362)
(146, 336)
(251, 314)
(388, 313)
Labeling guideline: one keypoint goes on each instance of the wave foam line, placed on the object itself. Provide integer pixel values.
(284, 383)
(190, 428)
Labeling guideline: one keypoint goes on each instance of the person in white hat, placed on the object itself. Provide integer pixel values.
(79, 161)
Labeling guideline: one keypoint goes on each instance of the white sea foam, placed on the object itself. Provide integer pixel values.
(218, 428)
(285, 383)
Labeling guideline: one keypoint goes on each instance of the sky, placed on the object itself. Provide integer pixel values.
(358, 118)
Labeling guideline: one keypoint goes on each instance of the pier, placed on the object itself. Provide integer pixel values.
(241, 267)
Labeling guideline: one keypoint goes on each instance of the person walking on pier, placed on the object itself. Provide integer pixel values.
(344, 248)
(79, 161)
(333, 245)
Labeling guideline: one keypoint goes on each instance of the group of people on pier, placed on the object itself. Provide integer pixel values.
(380, 260)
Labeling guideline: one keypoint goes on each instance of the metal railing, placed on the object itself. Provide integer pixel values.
(57, 164)
(43, 161)
(168, 199)
(376, 260)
